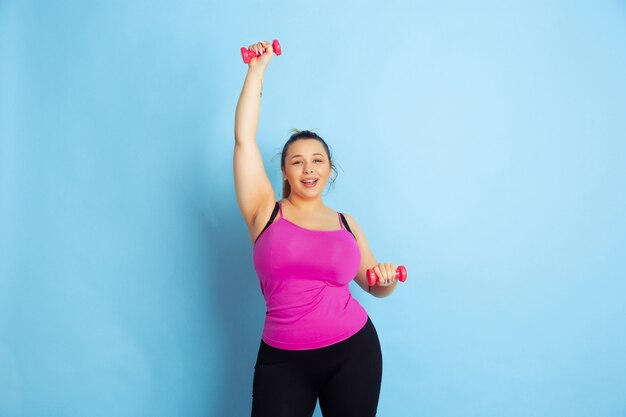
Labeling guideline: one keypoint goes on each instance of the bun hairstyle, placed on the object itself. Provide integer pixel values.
(299, 135)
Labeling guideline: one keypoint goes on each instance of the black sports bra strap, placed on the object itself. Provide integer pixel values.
(274, 213)
(345, 223)
(272, 217)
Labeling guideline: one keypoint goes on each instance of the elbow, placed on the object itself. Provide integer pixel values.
(376, 294)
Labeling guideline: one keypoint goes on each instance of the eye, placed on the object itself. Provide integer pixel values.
(318, 160)
(297, 162)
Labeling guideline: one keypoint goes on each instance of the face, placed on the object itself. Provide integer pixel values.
(307, 167)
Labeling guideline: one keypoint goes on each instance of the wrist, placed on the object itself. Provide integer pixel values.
(256, 72)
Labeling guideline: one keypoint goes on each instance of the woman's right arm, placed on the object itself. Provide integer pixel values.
(252, 186)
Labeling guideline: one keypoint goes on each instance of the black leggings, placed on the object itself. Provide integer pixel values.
(345, 376)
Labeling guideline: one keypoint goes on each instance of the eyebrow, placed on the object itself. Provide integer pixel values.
(301, 155)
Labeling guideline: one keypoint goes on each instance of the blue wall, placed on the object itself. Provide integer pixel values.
(483, 145)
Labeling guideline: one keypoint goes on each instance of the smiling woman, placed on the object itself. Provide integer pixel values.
(318, 157)
(318, 342)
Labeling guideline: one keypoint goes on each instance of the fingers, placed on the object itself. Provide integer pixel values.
(256, 48)
(386, 273)
(261, 47)
(268, 47)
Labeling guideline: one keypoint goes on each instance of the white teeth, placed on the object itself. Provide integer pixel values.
(309, 181)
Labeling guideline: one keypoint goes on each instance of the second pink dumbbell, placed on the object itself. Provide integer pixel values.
(247, 54)
(400, 275)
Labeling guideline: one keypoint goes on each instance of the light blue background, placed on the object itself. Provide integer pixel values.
(482, 144)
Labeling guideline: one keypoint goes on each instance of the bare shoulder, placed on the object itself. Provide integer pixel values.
(354, 225)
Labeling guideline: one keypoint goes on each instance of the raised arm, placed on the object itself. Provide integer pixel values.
(252, 186)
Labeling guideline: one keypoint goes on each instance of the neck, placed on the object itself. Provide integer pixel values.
(305, 205)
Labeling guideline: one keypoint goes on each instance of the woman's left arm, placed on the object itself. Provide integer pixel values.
(385, 271)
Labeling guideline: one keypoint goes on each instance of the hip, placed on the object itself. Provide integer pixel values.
(363, 343)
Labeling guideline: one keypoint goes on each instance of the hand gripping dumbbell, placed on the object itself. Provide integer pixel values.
(247, 55)
(400, 275)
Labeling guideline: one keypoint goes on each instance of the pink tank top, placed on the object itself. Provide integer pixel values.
(304, 276)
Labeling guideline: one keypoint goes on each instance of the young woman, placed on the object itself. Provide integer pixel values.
(318, 342)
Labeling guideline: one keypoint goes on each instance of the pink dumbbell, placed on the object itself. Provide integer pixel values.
(400, 275)
(247, 55)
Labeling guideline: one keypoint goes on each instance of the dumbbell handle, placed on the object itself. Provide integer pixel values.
(247, 54)
(400, 275)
